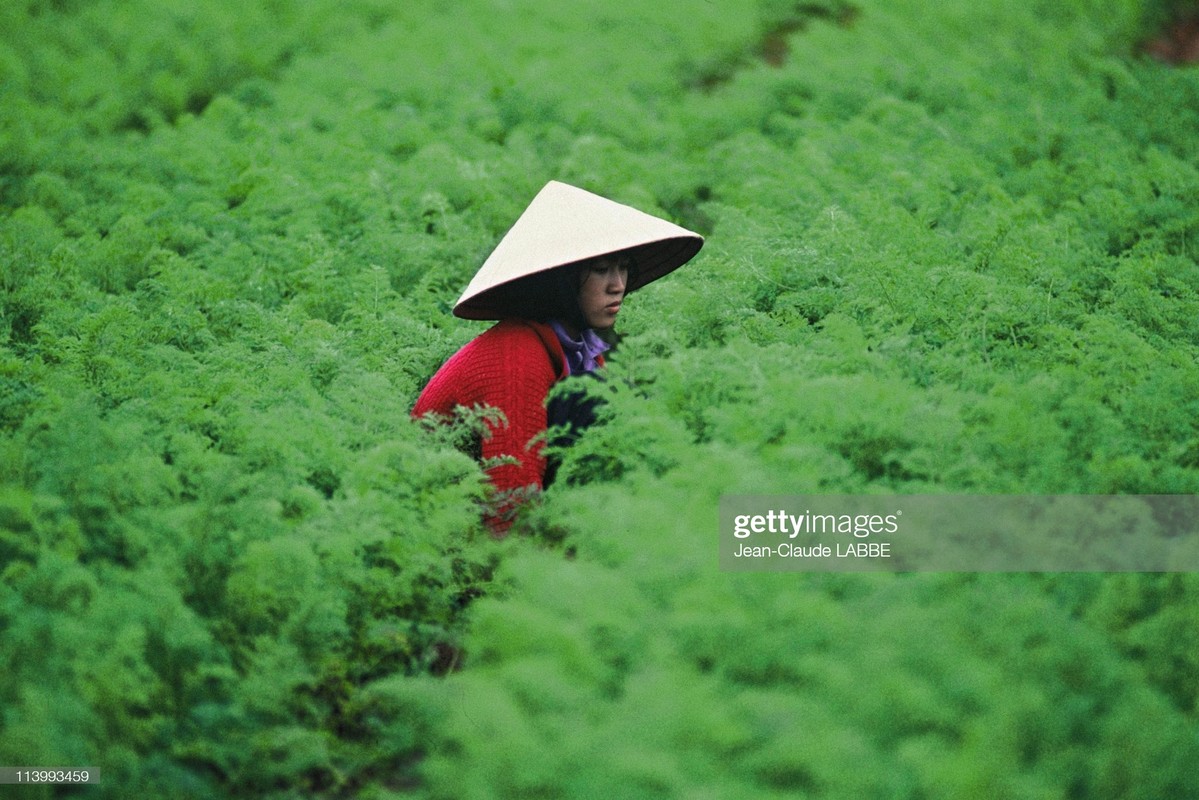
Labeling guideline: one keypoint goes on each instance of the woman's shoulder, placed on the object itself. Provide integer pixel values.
(516, 330)
(522, 339)
(511, 353)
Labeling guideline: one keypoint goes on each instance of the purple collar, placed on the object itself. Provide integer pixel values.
(582, 354)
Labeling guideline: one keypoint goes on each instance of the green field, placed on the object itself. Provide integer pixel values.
(951, 247)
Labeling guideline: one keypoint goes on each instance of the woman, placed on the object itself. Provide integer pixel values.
(556, 281)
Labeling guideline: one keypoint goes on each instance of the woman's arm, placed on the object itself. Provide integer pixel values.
(517, 385)
(510, 368)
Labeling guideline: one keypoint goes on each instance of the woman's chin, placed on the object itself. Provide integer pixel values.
(604, 325)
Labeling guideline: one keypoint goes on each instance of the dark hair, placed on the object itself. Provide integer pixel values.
(545, 296)
(554, 294)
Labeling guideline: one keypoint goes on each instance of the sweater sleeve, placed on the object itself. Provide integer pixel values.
(517, 387)
(507, 368)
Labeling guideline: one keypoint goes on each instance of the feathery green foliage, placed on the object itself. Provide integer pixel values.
(951, 247)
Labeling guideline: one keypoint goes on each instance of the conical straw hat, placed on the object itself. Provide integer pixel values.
(564, 225)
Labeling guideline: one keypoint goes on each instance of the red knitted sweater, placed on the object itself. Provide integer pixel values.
(510, 367)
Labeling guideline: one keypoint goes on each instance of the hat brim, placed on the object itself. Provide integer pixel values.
(651, 261)
(566, 225)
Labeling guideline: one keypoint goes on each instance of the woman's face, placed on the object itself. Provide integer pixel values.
(601, 290)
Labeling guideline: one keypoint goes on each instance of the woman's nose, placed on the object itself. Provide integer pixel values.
(617, 280)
